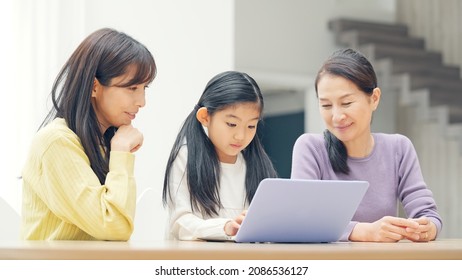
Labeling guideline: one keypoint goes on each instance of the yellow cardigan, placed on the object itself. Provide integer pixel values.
(62, 196)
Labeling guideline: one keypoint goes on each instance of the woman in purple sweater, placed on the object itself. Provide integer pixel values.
(346, 86)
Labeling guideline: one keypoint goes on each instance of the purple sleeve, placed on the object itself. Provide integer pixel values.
(305, 158)
(417, 199)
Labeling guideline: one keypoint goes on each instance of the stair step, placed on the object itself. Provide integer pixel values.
(455, 115)
(407, 54)
(343, 24)
(444, 97)
(360, 37)
(425, 69)
(453, 100)
(454, 86)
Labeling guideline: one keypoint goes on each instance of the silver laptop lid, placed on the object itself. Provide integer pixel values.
(292, 210)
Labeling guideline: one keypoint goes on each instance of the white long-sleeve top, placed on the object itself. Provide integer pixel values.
(186, 224)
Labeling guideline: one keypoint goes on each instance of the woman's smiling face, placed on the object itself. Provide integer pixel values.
(345, 109)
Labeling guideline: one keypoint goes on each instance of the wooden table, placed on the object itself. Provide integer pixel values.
(186, 250)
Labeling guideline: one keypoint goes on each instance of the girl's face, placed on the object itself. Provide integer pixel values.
(117, 106)
(232, 129)
(346, 110)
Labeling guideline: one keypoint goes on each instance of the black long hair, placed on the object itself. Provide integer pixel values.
(203, 167)
(353, 66)
(105, 54)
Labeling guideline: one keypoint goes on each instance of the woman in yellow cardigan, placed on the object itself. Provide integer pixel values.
(78, 181)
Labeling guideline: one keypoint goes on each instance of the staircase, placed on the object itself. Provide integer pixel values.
(426, 105)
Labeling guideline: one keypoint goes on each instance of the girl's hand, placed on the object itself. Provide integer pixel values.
(231, 227)
(127, 139)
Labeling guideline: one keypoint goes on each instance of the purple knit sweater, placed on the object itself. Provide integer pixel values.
(392, 170)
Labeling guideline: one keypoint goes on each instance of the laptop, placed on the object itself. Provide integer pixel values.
(300, 211)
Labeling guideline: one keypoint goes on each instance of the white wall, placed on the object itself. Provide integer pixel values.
(279, 41)
(8, 112)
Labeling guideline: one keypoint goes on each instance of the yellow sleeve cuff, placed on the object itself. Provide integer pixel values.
(122, 162)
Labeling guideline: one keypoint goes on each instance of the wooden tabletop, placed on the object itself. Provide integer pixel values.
(198, 250)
